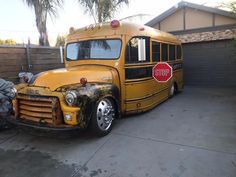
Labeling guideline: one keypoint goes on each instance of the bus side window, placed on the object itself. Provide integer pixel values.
(138, 50)
(164, 52)
(179, 52)
(171, 52)
(156, 51)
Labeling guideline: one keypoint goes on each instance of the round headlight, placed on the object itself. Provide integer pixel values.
(71, 98)
(13, 93)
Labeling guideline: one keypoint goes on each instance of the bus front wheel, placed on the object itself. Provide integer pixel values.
(103, 117)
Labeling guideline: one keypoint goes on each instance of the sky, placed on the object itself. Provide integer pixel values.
(17, 20)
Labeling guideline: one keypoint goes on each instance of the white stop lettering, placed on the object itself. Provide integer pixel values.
(162, 72)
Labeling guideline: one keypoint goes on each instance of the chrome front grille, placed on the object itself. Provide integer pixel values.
(45, 110)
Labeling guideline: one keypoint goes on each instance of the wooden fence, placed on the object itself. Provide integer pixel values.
(22, 59)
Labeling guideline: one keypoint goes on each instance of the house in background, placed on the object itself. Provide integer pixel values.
(208, 41)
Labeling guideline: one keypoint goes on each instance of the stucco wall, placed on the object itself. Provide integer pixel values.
(221, 20)
(198, 19)
(194, 19)
(174, 22)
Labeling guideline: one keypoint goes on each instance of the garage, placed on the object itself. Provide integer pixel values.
(210, 63)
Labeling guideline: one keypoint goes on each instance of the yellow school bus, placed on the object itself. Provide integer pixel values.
(107, 74)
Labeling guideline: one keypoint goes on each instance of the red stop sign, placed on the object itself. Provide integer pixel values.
(162, 72)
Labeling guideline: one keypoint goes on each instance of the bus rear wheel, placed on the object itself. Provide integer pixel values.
(173, 90)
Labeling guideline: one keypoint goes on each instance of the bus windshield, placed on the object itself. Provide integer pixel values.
(94, 49)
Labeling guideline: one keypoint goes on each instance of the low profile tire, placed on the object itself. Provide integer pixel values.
(103, 117)
(172, 90)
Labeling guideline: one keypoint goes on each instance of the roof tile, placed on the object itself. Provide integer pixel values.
(207, 36)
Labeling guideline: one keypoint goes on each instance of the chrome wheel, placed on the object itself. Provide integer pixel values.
(105, 114)
(172, 90)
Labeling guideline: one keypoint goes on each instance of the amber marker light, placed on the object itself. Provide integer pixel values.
(83, 81)
(115, 23)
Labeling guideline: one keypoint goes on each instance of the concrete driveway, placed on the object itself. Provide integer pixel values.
(191, 135)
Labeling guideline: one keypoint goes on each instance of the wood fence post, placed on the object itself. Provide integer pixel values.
(28, 56)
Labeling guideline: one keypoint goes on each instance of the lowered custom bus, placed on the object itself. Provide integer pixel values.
(107, 74)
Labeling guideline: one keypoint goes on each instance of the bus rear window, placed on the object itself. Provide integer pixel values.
(171, 52)
(94, 49)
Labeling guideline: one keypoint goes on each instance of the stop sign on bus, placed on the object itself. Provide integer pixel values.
(162, 72)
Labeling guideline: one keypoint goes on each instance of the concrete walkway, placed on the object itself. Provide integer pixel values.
(190, 135)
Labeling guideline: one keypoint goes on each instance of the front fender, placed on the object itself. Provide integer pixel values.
(90, 94)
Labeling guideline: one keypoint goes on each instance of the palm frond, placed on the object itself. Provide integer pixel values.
(43, 8)
(103, 10)
(49, 6)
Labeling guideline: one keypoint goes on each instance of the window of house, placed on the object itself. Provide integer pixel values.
(171, 52)
(155, 51)
(138, 50)
(164, 51)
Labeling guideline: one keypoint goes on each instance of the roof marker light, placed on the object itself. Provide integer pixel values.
(86, 28)
(71, 30)
(141, 29)
(92, 26)
(99, 25)
(115, 23)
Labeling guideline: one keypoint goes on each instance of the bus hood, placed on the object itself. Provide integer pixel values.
(66, 76)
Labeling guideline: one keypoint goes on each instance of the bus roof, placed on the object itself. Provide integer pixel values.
(123, 28)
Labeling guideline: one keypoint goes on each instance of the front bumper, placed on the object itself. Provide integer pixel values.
(43, 127)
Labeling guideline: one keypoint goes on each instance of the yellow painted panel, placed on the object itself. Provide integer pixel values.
(146, 104)
(60, 77)
(137, 90)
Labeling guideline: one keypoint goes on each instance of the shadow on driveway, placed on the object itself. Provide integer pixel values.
(190, 135)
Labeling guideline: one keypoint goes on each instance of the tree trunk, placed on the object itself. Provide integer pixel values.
(99, 11)
(41, 23)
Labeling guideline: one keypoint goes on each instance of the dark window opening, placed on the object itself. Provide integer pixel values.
(171, 52)
(164, 51)
(179, 52)
(138, 73)
(155, 51)
(138, 50)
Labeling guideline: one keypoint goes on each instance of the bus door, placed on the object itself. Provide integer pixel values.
(140, 87)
